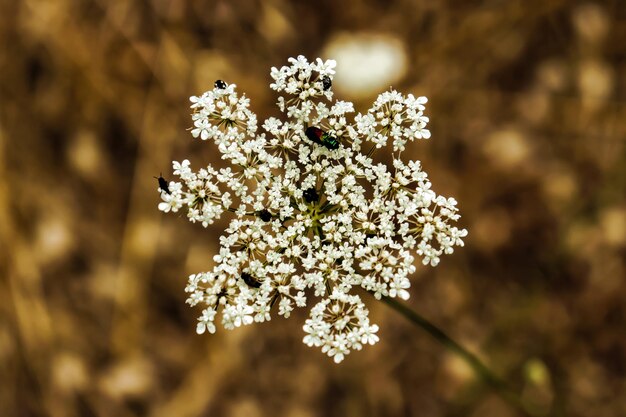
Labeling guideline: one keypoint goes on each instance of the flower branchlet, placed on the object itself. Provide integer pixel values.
(314, 216)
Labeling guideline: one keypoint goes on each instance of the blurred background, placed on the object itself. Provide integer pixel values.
(528, 116)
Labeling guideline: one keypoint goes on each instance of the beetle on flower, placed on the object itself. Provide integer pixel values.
(314, 215)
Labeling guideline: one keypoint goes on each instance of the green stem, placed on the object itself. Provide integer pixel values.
(480, 369)
(248, 213)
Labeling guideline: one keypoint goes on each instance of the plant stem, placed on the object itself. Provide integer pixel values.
(480, 369)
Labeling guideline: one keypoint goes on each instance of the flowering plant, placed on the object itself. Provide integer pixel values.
(314, 214)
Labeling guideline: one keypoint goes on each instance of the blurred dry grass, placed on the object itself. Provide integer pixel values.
(528, 110)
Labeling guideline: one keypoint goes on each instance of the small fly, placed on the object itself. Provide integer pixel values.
(326, 82)
(163, 184)
(250, 280)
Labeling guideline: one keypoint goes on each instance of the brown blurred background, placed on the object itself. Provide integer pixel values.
(528, 115)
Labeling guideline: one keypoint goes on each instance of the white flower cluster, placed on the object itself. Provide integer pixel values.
(314, 216)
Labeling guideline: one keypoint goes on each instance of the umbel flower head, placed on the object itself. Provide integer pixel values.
(314, 216)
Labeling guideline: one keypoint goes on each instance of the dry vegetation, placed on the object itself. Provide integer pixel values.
(528, 110)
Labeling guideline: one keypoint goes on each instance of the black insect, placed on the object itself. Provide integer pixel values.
(310, 195)
(317, 135)
(265, 215)
(250, 280)
(163, 184)
(220, 84)
(326, 82)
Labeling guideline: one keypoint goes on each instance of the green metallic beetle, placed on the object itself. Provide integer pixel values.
(320, 137)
